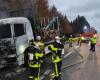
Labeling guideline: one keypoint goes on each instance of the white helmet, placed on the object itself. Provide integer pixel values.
(38, 38)
(70, 35)
(57, 38)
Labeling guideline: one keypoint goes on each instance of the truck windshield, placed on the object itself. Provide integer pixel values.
(5, 31)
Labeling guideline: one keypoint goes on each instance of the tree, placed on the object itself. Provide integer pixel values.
(14, 5)
(79, 23)
(42, 10)
(66, 27)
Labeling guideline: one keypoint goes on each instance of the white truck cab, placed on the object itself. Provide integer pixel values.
(18, 31)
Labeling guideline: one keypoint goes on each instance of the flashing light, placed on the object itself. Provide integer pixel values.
(95, 35)
(21, 48)
(85, 27)
(83, 38)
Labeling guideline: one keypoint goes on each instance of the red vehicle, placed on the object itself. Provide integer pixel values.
(86, 36)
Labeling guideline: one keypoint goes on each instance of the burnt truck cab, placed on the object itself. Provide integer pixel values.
(15, 34)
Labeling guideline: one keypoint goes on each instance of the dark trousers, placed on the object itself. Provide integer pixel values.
(70, 44)
(57, 70)
(34, 72)
(92, 46)
(79, 43)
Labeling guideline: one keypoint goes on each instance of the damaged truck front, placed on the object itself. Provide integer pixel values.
(14, 36)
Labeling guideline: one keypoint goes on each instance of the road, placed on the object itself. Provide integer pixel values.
(87, 70)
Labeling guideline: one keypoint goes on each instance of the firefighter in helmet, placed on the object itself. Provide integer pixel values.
(40, 42)
(70, 41)
(57, 49)
(79, 40)
(33, 59)
(93, 41)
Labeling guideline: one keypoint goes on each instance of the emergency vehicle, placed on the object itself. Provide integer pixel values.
(86, 36)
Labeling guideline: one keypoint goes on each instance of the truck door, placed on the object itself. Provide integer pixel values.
(20, 41)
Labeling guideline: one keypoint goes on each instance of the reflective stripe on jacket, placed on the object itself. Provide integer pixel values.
(70, 39)
(37, 64)
(38, 55)
(34, 65)
(80, 39)
(55, 57)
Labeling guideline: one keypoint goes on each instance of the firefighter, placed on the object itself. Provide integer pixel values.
(40, 42)
(57, 48)
(32, 43)
(41, 46)
(70, 41)
(33, 60)
(35, 63)
(64, 38)
(93, 41)
(79, 40)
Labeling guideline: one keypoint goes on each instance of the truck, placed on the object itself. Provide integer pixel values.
(15, 34)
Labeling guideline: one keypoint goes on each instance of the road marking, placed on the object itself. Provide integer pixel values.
(45, 73)
(76, 47)
(67, 54)
(42, 77)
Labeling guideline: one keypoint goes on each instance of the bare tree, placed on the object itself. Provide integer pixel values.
(13, 5)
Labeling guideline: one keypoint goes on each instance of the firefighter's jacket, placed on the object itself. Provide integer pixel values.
(56, 49)
(33, 57)
(80, 39)
(93, 40)
(70, 40)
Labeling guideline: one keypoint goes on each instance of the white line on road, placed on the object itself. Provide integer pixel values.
(68, 54)
(42, 77)
(45, 73)
(76, 47)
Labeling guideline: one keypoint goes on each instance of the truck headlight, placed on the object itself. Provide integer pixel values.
(83, 38)
(21, 48)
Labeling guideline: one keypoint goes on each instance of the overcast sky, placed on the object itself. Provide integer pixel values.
(88, 8)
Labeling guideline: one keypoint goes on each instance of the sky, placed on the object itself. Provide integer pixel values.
(72, 8)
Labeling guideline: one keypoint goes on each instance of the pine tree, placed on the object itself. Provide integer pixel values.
(79, 23)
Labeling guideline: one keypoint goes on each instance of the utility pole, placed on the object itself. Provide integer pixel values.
(53, 26)
(44, 22)
(58, 24)
(41, 21)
